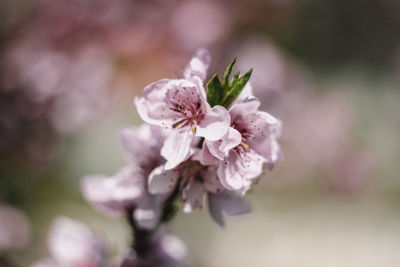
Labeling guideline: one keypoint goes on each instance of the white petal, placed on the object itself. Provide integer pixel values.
(226, 202)
(215, 124)
(248, 105)
(237, 170)
(162, 181)
(148, 106)
(193, 196)
(204, 156)
(176, 148)
(210, 180)
(198, 65)
(221, 148)
(74, 244)
(142, 145)
(112, 195)
(154, 108)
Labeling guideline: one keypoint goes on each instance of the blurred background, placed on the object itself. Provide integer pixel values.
(330, 70)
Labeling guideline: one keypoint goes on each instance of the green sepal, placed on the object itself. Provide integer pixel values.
(227, 74)
(215, 91)
(238, 84)
(235, 79)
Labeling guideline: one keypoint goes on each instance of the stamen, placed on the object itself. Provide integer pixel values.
(246, 146)
(177, 123)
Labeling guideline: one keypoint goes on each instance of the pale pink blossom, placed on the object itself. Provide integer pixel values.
(115, 194)
(73, 244)
(196, 181)
(249, 144)
(180, 107)
(68, 88)
(127, 190)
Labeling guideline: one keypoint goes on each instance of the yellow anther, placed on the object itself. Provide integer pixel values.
(245, 145)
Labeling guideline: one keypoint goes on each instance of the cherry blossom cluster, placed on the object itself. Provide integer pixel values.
(199, 140)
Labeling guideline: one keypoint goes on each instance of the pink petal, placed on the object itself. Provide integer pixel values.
(162, 181)
(154, 92)
(74, 244)
(268, 129)
(246, 106)
(263, 128)
(154, 108)
(220, 148)
(226, 202)
(193, 196)
(198, 65)
(237, 170)
(210, 180)
(271, 151)
(176, 148)
(112, 195)
(141, 144)
(205, 157)
(215, 124)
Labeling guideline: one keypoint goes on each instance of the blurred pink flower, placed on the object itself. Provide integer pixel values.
(127, 190)
(180, 107)
(210, 19)
(268, 63)
(115, 194)
(322, 140)
(84, 91)
(15, 230)
(70, 88)
(73, 244)
(65, 18)
(195, 181)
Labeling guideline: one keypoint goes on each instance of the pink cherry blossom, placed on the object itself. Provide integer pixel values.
(193, 179)
(141, 146)
(127, 190)
(249, 144)
(180, 107)
(114, 194)
(72, 243)
(196, 181)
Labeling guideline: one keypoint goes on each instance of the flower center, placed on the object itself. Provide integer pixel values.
(246, 134)
(186, 102)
